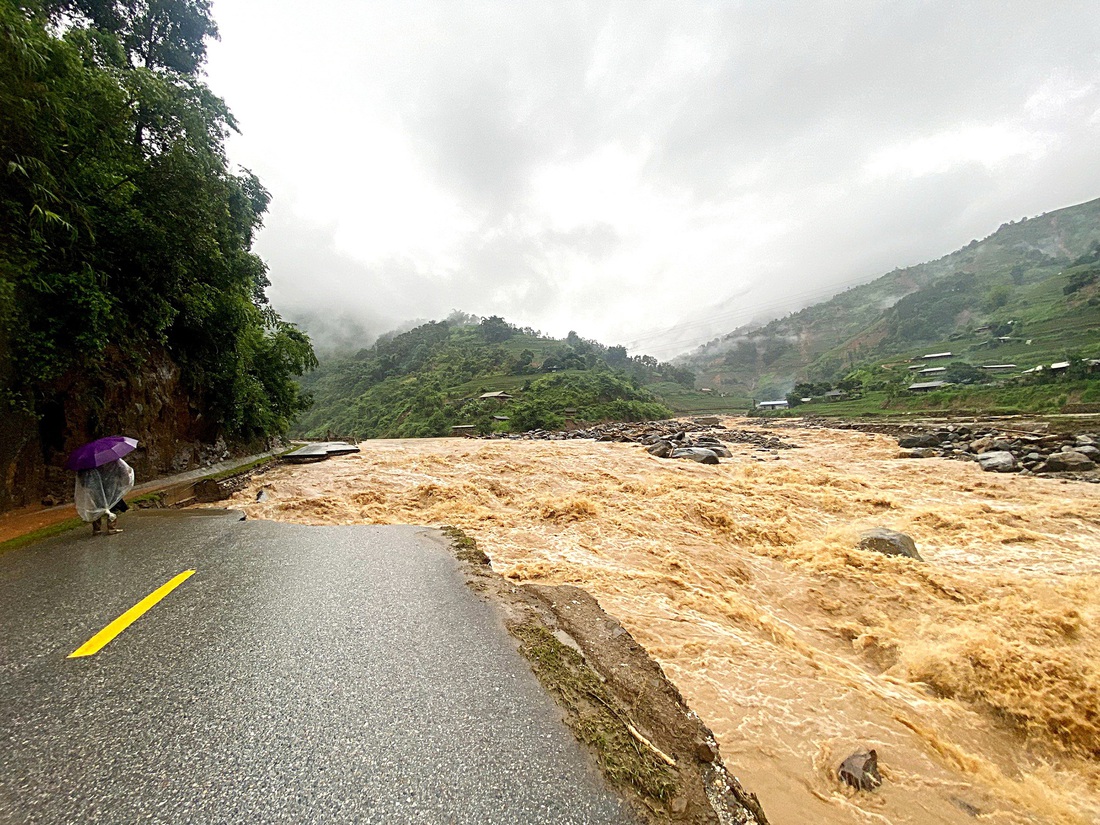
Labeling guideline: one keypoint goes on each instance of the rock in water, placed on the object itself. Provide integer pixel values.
(919, 440)
(997, 461)
(860, 770)
(1066, 461)
(696, 454)
(662, 449)
(890, 543)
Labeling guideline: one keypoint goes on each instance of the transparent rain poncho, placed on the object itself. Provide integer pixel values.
(98, 490)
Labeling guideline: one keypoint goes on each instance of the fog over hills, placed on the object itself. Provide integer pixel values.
(622, 169)
(1031, 283)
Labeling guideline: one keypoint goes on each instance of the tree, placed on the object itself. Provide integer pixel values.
(1078, 279)
(998, 296)
(161, 35)
(851, 383)
(496, 330)
(522, 363)
(125, 236)
(961, 373)
(535, 415)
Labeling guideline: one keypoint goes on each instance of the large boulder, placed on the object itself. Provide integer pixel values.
(661, 449)
(696, 454)
(860, 770)
(919, 440)
(889, 542)
(924, 452)
(1067, 461)
(997, 461)
(714, 445)
(980, 445)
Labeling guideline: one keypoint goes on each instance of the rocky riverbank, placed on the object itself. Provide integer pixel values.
(1057, 455)
(667, 437)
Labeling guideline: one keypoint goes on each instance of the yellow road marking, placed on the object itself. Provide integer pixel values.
(103, 637)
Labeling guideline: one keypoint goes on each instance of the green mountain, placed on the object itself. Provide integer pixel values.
(1026, 295)
(429, 379)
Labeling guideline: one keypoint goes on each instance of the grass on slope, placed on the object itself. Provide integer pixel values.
(1012, 400)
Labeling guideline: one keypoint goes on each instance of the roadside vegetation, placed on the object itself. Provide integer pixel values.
(125, 239)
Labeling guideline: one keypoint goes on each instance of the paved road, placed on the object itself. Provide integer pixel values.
(302, 674)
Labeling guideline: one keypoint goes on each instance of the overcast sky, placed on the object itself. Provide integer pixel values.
(624, 168)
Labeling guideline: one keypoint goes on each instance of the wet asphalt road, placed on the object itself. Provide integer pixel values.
(303, 674)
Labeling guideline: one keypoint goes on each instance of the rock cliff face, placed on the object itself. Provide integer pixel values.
(147, 401)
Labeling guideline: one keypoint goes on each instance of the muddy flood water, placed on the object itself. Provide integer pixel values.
(975, 674)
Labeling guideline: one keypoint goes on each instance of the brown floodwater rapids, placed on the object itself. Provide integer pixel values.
(975, 674)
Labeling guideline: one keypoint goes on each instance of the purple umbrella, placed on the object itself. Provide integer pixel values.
(101, 451)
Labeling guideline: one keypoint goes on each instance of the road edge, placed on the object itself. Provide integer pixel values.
(159, 493)
(615, 698)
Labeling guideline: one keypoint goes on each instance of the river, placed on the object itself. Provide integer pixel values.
(975, 674)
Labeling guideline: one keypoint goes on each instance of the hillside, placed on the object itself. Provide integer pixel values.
(1028, 283)
(425, 381)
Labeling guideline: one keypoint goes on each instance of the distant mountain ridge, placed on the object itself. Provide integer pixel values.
(1017, 274)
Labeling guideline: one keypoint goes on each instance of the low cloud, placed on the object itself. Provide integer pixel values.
(644, 173)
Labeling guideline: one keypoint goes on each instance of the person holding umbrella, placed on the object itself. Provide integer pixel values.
(102, 479)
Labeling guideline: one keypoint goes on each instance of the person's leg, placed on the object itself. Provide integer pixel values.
(111, 529)
(96, 525)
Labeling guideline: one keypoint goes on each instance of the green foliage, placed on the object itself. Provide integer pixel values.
(1080, 277)
(960, 372)
(496, 330)
(535, 415)
(122, 229)
(156, 34)
(930, 315)
(424, 381)
(596, 396)
(997, 297)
